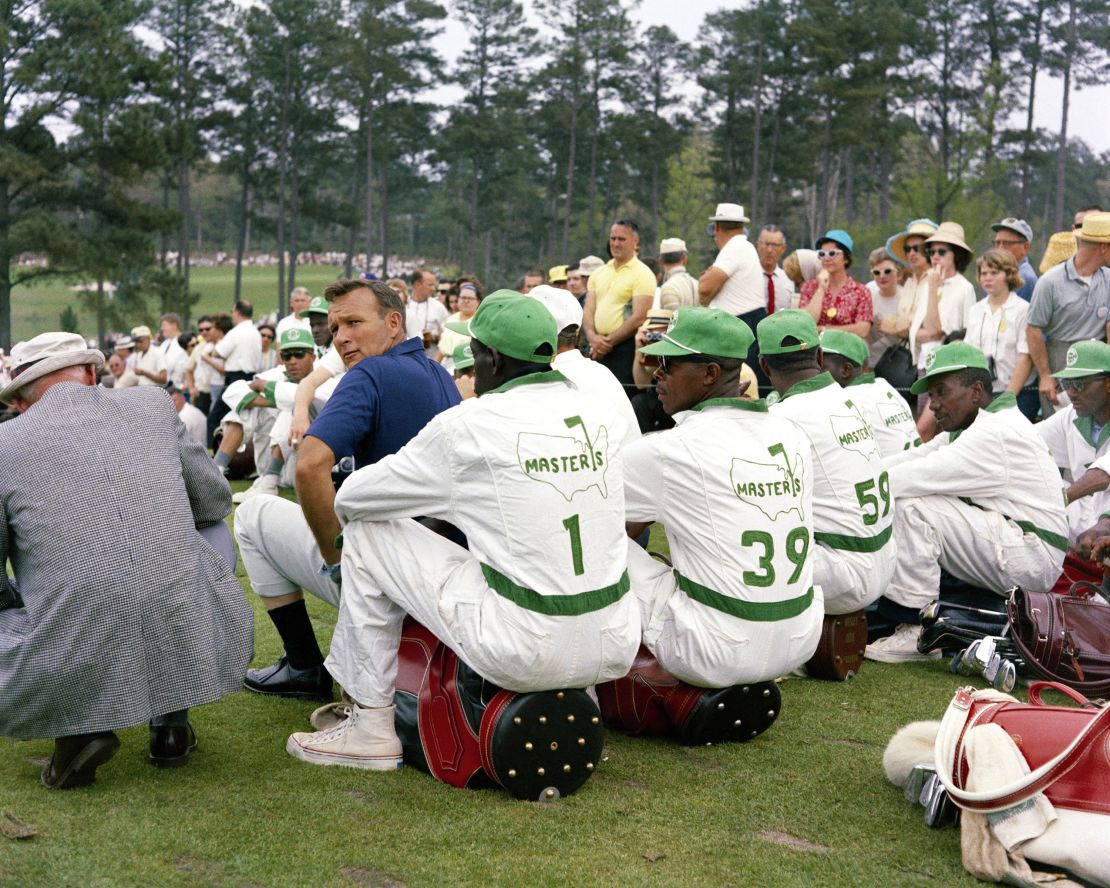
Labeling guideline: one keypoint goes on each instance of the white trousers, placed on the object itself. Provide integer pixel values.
(391, 568)
(979, 547)
(279, 551)
(707, 648)
(852, 580)
(257, 423)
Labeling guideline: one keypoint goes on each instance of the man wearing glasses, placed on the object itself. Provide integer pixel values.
(1016, 237)
(777, 285)
(1079, 435)
(1071, 302)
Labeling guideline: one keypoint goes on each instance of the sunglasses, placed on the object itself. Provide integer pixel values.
(937, 251)
(668, 364)
(1077, 385)
(828, 254)
(915, 248)
(882, 272)
(204, 330)
(294, 353)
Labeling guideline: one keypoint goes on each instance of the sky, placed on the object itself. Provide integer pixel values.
(1087, 117)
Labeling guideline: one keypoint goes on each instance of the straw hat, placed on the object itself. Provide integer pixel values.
(1096, 228)
(1061, 247)
(951, 233)
(44, 354)
(896, 244)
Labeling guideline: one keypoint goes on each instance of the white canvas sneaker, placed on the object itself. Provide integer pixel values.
(365, 739)
(265, 485)
(901, 647)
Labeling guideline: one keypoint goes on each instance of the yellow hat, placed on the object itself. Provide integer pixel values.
(1061, 247)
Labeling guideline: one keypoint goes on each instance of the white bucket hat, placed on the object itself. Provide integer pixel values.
(44, 354)
(729, 212)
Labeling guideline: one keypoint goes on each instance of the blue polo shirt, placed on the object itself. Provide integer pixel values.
(383, 402)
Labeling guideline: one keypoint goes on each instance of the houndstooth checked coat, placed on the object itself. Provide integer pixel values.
(119, 611)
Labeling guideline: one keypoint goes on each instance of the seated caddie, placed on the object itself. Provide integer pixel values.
(1078, 435)
(531, 472)
(852, 506)
(844, 356)
(732, 486)
(983, 500)
(463, 360)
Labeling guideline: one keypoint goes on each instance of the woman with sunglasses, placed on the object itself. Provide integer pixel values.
(469, 298)
(834, 299)
(907, 248)
(885, 288)
(269, 352)
(996, 326)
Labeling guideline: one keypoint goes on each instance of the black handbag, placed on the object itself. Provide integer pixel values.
(897, 367)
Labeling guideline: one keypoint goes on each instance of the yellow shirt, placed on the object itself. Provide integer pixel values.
(613, 289)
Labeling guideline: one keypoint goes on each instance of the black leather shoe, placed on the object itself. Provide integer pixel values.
(76, 759)
(282, 680)
(170, 745)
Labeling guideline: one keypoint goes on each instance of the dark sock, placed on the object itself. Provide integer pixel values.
(223, 460)
(295, 629)
(276, 465)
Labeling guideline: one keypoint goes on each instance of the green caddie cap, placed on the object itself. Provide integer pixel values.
(463, 356)
(1087, 358)
(297, 337)
(318, 305)
(514, 324)
(845, 344)
(948, 359)
(792, 323)
(703, 331)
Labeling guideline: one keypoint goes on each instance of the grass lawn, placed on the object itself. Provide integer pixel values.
(804, 804)
(37, 308)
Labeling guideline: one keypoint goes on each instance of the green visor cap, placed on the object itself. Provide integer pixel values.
(297, 337)
(463, 357)
(1087, 358)
(786, 331)
(318, 305)
(703, 331)
(516, 325)
(948, 359)
(847, 345)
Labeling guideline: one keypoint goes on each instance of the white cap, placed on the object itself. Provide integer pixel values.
(140, 332)
(729, 212)
(562, 305)
(672, 245)
(589, 265)
(46, 353)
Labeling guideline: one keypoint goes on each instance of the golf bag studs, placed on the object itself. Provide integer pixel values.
(554, 745)
(512, 772)
(516, 720)
(581, 741)
(560, 695)
(570, 718)
(720, 705)
(540, 771)
(543, 719)
(594, 720)
(528, 746)
(589, 766)
(566, 769)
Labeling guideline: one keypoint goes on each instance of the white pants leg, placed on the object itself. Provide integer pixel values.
(710, 649)
(851, 580)
(391, 568)
(279, 551)
(977, 546)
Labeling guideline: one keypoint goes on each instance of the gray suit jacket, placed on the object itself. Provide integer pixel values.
(118, 610)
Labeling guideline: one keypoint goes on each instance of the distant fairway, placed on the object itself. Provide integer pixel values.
(39, 307)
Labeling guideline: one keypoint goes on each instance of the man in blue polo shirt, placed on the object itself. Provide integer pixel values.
(389, 393)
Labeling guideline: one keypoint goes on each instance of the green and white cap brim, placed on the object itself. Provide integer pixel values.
(1087, 358)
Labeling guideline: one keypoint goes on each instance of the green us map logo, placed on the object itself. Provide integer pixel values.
(571, 463)
(774, 487)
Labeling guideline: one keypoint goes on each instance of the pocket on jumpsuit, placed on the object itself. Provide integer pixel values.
(618, 650)
(519, 657)
(1026, 564)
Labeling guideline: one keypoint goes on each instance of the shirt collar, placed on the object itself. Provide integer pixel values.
(759, 405)
(570, 356)
(1085, 426)
(539, 378)
(863, 379)
(1002, 402)
(822, 380)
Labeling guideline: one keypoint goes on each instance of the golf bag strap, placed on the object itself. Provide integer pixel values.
(1038, 687)
(964, 713)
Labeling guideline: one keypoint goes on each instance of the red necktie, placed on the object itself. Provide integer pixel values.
(770, 293)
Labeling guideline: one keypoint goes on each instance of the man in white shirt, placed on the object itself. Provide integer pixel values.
(777, 286)
(241, 348)
(424, 314)
(169, 327)
(733, 488)
(299, 300)
(844, 355)
(1078, 435)
(983, 500)
(530, 471)
(734, 282)
(150, 363)
(195, 422)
